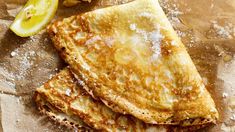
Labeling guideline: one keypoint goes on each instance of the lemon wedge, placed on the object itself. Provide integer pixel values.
(34, 17)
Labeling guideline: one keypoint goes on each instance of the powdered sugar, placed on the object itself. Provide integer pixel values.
(13, 53)
(109, 41)
(146, 14)
(225, 31)
(80, 82)
(173, 43)
(68, 92)
(25, 63)
(93, 40)
(154, 37)
(188, 88)
(133, 26)
(22, 62)
(172, 11)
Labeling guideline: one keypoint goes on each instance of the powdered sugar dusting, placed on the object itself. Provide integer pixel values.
(146, 14)
(154, 37)
(172, 11)
(226, 31)
(80, 82)
(133, 26)
(173, 43)
(109, 41)
(93, 40)
(13, 54)
(68, 92)
(25, 63)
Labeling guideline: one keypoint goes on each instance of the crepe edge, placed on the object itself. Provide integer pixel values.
(45, 108)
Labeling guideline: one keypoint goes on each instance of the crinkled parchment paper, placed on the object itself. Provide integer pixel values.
(206, 27)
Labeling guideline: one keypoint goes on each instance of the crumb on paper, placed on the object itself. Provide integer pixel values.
(13, 54)
(17, 120)
(33, 39)
(232, 117)
(225, 95)
(227, 58)
(18, 101)
(50, 76)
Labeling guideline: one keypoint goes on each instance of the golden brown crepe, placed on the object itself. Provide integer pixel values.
(63, 97)
(130, 57)
(66, 119)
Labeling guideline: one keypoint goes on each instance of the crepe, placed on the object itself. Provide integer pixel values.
(130, 57)
(64, 93)
(70, 121)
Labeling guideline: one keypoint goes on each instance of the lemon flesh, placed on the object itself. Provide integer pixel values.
(34, 17)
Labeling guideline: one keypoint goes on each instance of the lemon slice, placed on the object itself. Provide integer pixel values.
(34, 17)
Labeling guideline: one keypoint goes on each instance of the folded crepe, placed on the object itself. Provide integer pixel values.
(65, 101)
(66, 119)
(129, 57)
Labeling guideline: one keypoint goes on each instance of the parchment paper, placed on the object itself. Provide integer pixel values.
(206, 27)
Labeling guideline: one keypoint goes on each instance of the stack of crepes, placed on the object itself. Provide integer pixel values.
(128, 71)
